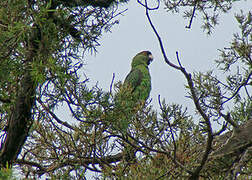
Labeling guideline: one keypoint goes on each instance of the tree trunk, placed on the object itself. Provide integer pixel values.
(19, 122)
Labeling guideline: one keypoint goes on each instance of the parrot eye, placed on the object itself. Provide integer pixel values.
(149, 55)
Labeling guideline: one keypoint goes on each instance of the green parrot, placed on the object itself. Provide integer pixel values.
(139, 78)
(139, 82)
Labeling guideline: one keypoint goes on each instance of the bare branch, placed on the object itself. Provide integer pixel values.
(229, 120)
(159, 39)
(147, 7)
(196, 172)
(54, 115)
(206, 120)
(224, 126)
(239, 88)
(111, 84)
(193, 13)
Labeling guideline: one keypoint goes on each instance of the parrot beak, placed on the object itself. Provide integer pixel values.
(150, 59)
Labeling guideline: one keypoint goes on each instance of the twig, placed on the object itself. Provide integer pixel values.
(54, 115)
(111, 84)
(169, 124)
(146, 6)
(178, 59)
(238, 89)
(248, 93)
(30, 163)
(3, 25)
(224, 126)
(193, 13)
(163, 175)
(228, 119)
(159, 39)
(120, 13)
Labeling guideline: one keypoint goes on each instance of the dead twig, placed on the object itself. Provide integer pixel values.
(193, 13)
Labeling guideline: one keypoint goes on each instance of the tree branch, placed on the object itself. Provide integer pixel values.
(84, 161)
(170, 129)
(147, 7)
(238, 89)
(94, 3)
(229, 120)
(193, 13)
(159, 38)
(196, 172)
(54, 115)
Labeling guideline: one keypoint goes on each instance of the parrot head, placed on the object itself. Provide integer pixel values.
(144, 57)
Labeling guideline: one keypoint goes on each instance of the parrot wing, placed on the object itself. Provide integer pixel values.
(134, 78)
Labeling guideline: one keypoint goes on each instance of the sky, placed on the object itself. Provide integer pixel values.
(133, 34)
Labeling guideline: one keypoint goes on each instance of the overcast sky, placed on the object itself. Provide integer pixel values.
(133, 34)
